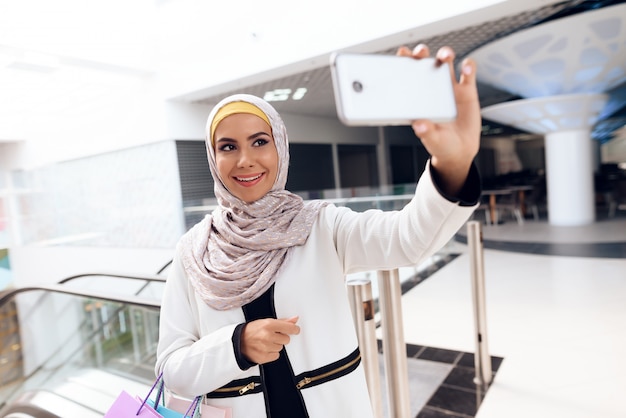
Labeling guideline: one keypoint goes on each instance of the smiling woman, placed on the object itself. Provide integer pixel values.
(246, 156)
(255, 313)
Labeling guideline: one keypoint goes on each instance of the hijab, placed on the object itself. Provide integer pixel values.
(236, 252)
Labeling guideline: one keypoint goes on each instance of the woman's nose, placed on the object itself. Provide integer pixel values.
(246, 159)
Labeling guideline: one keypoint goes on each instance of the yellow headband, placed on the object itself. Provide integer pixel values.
(233, 108)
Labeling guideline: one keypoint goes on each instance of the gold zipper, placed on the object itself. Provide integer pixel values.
(308, 380)
(241, 389)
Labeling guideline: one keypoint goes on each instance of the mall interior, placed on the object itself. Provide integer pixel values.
(103, 168)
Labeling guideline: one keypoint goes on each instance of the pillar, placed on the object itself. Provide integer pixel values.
(569, 178)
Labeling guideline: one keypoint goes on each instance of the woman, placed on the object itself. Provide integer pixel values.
(255, 310)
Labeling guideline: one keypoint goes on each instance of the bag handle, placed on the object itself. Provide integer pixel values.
(156, 382)
(194, 408)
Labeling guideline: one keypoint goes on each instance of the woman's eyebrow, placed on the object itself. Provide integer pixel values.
(256, 135)
(226, 139)
(251, 137)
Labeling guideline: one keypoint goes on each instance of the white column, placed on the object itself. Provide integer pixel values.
(569, 176)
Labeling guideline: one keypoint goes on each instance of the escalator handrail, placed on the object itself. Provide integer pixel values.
(56, 288)
(165, 266)
(147, 278)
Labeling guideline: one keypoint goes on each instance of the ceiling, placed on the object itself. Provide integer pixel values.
(319, 99)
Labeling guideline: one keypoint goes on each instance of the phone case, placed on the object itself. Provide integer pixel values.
(376, 90)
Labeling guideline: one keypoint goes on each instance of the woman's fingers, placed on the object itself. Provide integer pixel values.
(263, 339)
(421, 51)
(453, 145)
(403, 51)
(468, 72)
(422, 128)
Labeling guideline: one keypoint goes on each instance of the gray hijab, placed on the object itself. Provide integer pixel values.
(235, 253)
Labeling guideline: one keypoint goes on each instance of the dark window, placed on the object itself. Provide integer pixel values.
(310, 167)
(358, 166)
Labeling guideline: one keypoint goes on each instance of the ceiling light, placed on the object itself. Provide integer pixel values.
(299, 93)
(281, 95)
(277, 95)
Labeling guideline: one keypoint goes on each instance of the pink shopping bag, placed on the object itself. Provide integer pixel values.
(127, 406)
(206, 411)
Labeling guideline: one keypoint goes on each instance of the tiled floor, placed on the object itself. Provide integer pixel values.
(441, 382)
(556, 313)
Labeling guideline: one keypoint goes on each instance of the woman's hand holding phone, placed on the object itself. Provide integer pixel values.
(454, 144)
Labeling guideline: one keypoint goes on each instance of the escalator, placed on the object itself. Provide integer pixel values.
(68, 349)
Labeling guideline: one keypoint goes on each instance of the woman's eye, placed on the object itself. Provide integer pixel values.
(260, 142)
(227, 147)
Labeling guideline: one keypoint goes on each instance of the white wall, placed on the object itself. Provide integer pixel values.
(185, 120)
(188, 121)
(318, 130)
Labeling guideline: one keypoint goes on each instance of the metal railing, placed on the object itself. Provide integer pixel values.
(482, 360)
(143, 277)
(362, 305)
(55, 288)
(394, 345)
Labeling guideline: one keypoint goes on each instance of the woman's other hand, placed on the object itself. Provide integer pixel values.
(262, 340)
(452, 145)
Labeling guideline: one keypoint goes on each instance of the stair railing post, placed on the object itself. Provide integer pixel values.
(362, 305)
(482, 360)
(394, 345)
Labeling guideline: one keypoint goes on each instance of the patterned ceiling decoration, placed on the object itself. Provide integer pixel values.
(543, 115)
(583, 53)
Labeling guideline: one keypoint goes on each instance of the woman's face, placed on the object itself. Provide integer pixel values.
(246, 156)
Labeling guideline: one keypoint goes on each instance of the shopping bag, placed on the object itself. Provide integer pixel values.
(125, 406)
(192, 410)
(171, 413)
(206, 411)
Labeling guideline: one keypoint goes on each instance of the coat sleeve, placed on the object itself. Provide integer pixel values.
(191, 365)
(376, 240)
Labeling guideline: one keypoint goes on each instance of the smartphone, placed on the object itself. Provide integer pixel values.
(377, 90)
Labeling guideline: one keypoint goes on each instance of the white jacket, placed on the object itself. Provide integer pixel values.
(195, 351)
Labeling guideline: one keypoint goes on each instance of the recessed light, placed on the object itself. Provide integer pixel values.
(281, 95)
(277, 95)
(299, 93)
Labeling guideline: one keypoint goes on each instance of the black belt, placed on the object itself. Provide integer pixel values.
(324, 374)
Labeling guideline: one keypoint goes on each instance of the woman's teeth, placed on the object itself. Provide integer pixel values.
(248, 178)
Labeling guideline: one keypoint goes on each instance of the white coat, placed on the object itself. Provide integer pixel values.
(195, 350)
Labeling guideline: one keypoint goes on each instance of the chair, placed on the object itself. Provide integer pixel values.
(510, 203)
(617, 197)
(484, 207)
(537, 197)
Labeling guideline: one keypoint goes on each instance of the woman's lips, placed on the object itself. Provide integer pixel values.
(249, 181)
